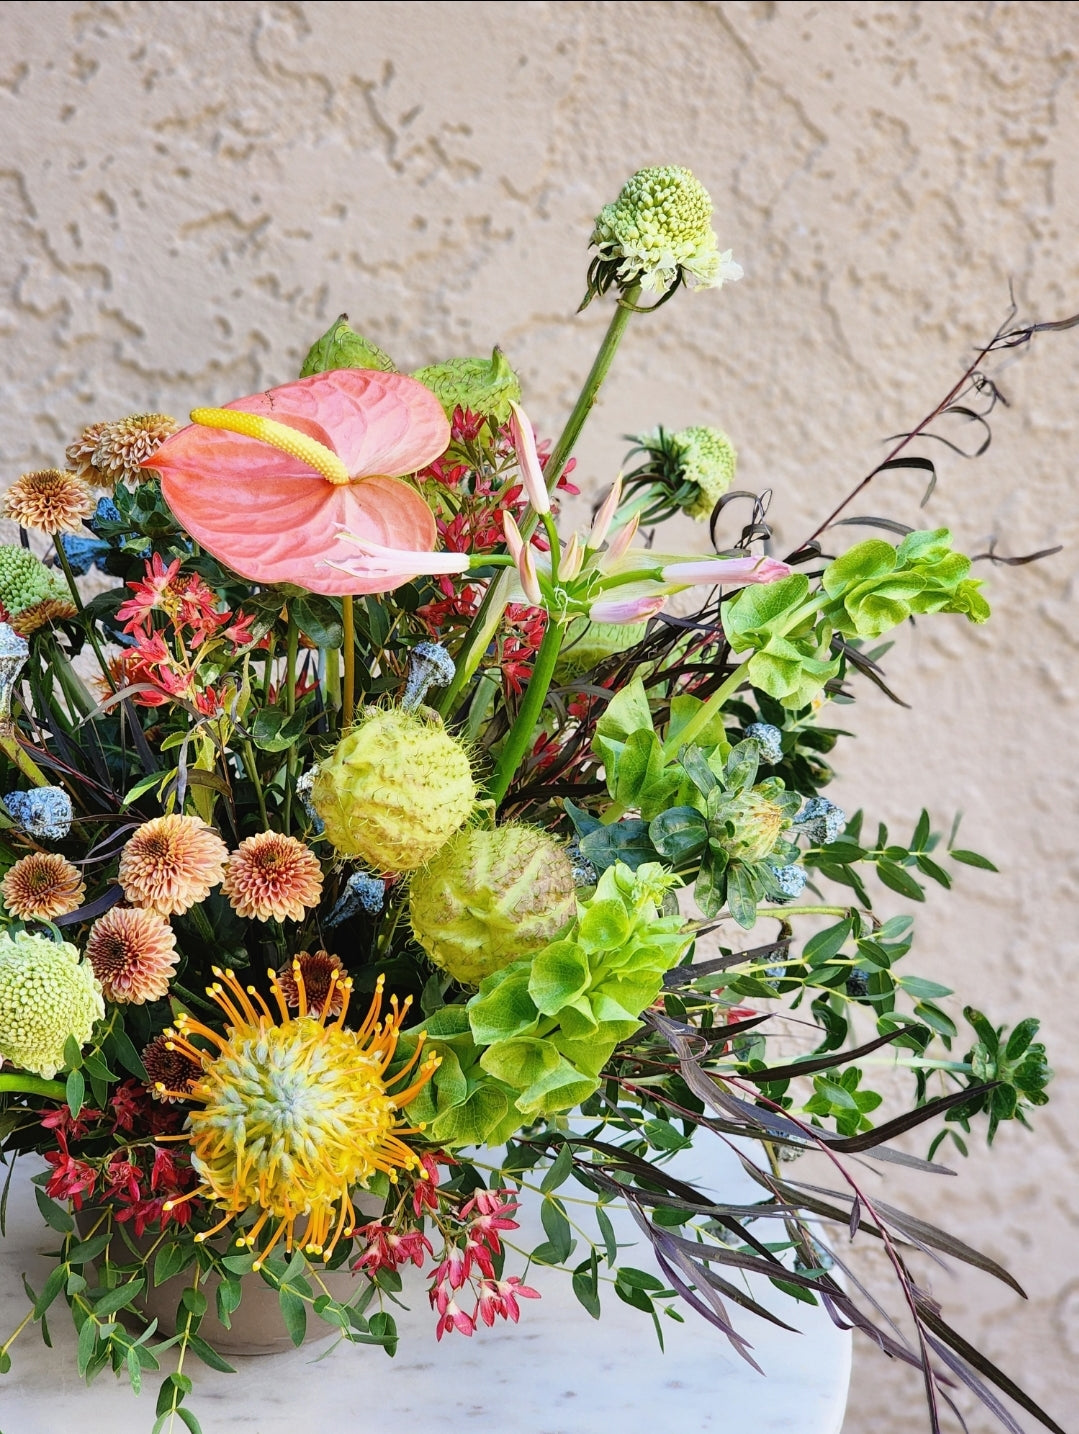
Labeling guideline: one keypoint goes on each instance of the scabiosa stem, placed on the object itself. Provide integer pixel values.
(498, 592)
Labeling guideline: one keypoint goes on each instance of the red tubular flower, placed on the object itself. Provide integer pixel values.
(304, 463)
(71, 1179)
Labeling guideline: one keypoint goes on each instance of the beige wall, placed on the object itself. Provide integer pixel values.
(191, 191)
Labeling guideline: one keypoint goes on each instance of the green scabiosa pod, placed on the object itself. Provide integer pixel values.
(394, 789)
(491, 897)
(48, 995)
(705, 458)
(30, 592)
(754, 821)
(549, 1025)
(342, 347)
(477, 385)
(657, 233)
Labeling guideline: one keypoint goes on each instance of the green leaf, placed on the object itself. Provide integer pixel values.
(557, 1229)
(678, 834)
(606, 1230)
(921, 832)
(899, 880)
(170, 1260)
(186, 1417)
(586, 1286)
(294, 1313)
(1021, 1038)
(384, 1327)
(53, 1285)
(972, 858)
(53, 1214)
(75, 1091)
(174, 1389)
(560, 1171)
(664, 1136)
(194, 1302)
(937, 873)
(318, 618)
(827, 943)
(273, 730)
(208, 1355)
(119, 1298)
(626, 841)
(924, 990)
(72, 1054)
(86, 1346)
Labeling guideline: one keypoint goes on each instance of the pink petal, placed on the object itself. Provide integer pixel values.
(627, 609)
(524, 444)
(726, 570)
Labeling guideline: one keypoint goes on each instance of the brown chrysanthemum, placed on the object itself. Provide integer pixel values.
(272, 875)
(41, 887)
(322, 976)
(172, 863)
(170, 1073)
(133, 953)
(123, 446)
(49, 501)
(80, 454)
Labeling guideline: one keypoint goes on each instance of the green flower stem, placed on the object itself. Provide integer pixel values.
(513, 748)
(33, 1085)
(701, 718)
(348, 653)
(292, 647)
(479, 635)
(76, 598)
(17, 755)
(333, 677)
(782, 912)
(251, 763)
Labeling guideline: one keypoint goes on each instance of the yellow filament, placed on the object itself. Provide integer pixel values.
(278, 435)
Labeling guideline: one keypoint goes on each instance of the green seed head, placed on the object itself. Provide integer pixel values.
(661, 224)
(394, 790)
(342, 347)
(484, 386)
(758, 822)
(47, 994)
(31, 593)
(492, 897)
(706, 457)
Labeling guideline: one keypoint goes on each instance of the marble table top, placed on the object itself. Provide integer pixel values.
(557, 1372)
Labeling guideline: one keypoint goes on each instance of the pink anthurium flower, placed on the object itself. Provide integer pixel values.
(271, 484)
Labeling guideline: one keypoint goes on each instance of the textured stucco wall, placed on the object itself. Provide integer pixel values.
(191, 191)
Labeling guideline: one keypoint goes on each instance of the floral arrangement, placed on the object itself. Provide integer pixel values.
(370, 854)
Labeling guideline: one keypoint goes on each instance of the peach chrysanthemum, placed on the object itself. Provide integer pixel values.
(133, 953)
(171, 864)
(170, 1073)
(322, 977)
(123, 446)
(80, 454)
(49, 500)
(272, 875)
(41, 887)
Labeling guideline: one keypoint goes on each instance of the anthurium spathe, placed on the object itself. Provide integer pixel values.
(269, 483)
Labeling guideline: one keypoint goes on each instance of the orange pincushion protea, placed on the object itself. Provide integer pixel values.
(42, 886)
(272, 875)
(269, 483)
(293, 1112)
(171, 864)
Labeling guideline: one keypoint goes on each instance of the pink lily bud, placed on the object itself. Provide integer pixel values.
(376, 557)
(514, 541)
(627, 609)
(726, 570)
(572, 558)
(619, 544)
(602, 521)
(524, 444)
(526, 568)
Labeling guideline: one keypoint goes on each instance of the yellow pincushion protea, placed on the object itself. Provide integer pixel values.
(294, 1111)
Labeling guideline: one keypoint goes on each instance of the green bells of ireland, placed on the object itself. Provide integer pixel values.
(548, 1025)
(342, 347)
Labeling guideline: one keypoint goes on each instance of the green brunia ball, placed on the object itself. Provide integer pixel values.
(492, 897)
(758, 822)
(342, 347)
(484, 386)
(707, 458)
(47, 994)
(30, 593)
(394, 790)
